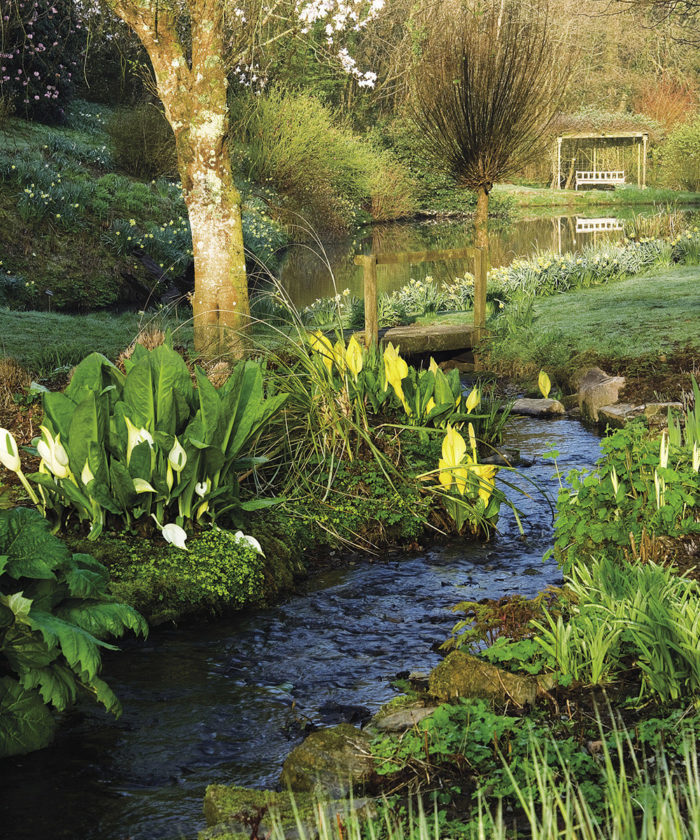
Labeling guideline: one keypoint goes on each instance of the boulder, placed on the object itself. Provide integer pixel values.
(336, 760)
(657, 413)
(619, 414)
(402, 719)
(463, 675)
(597, 389)
(537, 408)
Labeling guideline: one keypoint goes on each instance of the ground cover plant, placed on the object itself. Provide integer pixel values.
(56, 614)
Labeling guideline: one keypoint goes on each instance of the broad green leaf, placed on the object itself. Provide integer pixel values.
(170, 376)
(25, 650)
(103, 619)
(58, 413)
(209, 413)
(79, 647)
(25, 722)
(32, 550)
(55, 683)
(122, 485)
(138, 395)
(94, 373)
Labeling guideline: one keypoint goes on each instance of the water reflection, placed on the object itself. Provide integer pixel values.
(307, 274)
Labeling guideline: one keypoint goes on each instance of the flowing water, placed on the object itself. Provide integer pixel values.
(310, 272)
(226, 702)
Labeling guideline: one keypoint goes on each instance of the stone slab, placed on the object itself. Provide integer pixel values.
(436, 338)
(537, 408)
(618, 414)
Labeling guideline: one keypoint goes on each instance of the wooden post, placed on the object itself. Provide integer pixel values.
(369, 265)
(639, 165)
(559, 139)
(644, 161)
(480, 271)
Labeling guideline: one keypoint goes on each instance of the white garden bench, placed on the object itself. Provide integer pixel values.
(600, 178)
(596, 225)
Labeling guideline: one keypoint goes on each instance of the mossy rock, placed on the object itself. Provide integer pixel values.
(463, 675)
(336, 760)
(281, 568)
(400, 713)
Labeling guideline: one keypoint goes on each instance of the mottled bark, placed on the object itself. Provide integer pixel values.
(193, 94)
(481, 219)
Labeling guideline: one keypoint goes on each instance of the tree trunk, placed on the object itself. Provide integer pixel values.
(193, 93)
(481, 240)
(481, 219)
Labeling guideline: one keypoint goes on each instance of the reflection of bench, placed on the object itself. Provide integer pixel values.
(595, 225)
(613, 177)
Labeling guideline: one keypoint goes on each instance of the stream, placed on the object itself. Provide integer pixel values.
(227, 701)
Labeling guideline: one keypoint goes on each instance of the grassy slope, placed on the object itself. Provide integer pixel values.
(542, 197)
(647, 314)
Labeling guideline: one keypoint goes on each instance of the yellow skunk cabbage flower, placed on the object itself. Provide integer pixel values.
(395, 369)
(433, 368)
(453, 451)
(322, 345)
(354, 357)
(472, 439)
(473, 400)
(430, 406)
(486, 474)
(339, 356)
(544, 384)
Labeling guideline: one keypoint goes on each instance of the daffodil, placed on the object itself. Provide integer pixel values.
(544, 384)
(395, 369)
(353, 357)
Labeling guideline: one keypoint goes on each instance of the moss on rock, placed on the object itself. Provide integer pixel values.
(335, 760)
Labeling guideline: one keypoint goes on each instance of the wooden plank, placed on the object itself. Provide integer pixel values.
(415, 257)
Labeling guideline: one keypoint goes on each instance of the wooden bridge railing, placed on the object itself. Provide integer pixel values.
(479, 256)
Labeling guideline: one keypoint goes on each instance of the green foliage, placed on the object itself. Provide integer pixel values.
(219, 571)
(680, 157)
(143, 142)
(149, 443)
(295, 143)
(640, 613)
(685, 430)
(55, 614)
(606, 512)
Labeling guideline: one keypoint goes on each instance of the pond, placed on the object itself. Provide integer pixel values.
(227, 701)
(327, 268)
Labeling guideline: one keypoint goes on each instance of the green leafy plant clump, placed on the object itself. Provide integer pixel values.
(219, 571)
(55, 616)
(148, 445)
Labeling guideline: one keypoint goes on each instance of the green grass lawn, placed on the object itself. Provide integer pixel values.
(647, 314)
(543, 197)
(42, 341)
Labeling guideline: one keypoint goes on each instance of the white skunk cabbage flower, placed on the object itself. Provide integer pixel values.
(241, 537)
(9, 451)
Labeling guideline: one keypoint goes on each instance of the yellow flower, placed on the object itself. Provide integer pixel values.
(473, 400)
(453, 451)
(430, 406)
(472, 439)
(433, 366)
(322, 345)
(486, 474)
(353, 357)
(339, 356)
(395, 369)
(544, 384)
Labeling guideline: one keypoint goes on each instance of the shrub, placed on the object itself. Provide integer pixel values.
(55, 614)
(680, 157)
(328, 172)
(143, 142)
(39, 44)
